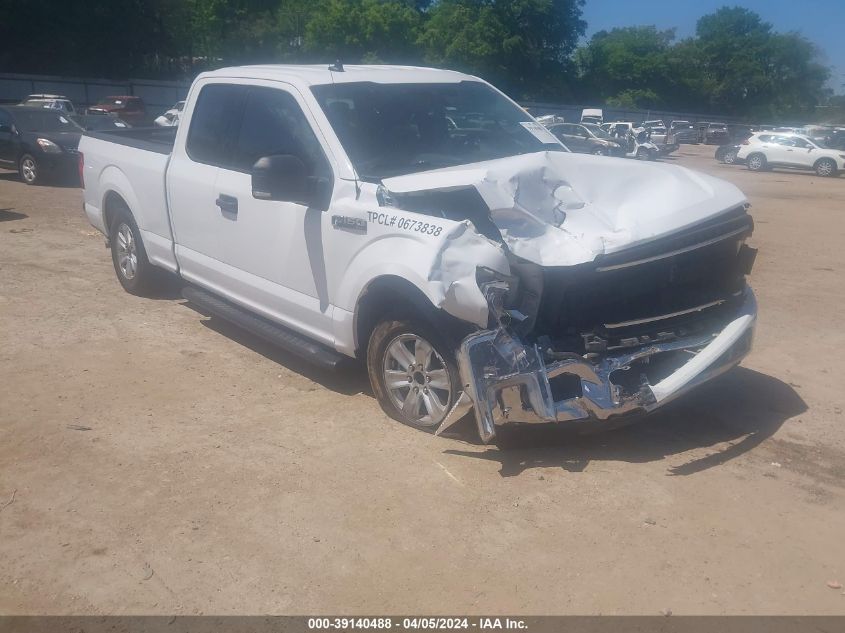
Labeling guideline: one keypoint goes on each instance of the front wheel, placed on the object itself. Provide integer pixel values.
(826, 167)
(29, 170)
(756, 162)
(730, 157)
(413, 373)
(598, 152)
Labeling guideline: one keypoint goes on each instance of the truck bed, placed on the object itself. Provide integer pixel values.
(152, 139)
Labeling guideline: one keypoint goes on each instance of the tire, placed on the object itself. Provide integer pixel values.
(642, 154)
(413, 353)
(729, 158)
(598, 152)
(756, 162)
(29, 170)
(825, 167)
(133, 269)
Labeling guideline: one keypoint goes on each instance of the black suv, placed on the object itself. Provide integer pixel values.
(38, 142)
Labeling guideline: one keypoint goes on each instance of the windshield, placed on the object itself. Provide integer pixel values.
(596, 131)
(45, 121)
(393, 129)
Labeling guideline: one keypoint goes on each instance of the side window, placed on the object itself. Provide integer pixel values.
(273, 123)
(217, 112)
(5, 120)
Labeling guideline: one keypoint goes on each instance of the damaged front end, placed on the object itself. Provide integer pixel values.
(622, 335)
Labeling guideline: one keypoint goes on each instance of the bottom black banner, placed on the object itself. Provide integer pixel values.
(311, 624)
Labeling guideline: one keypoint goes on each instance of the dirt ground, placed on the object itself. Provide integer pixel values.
(155, 461)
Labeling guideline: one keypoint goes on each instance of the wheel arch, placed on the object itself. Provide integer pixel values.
(392, 296)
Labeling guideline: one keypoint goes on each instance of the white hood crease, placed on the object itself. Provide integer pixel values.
(563, 209)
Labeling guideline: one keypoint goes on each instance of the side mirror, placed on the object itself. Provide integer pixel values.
(282, 177)
(285, 178)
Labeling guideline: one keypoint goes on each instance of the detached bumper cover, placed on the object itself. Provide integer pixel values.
(506, 382)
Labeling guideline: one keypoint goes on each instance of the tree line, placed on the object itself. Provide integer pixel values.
(735, 64)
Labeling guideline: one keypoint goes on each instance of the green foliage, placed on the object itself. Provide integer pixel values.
(736, 64)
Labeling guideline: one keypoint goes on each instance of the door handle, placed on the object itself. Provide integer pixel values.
(227, 204)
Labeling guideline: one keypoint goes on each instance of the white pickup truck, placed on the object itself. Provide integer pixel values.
(421, 221)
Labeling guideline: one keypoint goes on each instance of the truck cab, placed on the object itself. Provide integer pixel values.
(421, 221)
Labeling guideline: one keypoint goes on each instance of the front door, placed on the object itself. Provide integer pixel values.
(263, 254)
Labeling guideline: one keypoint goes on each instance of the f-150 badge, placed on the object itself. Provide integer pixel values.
(346, 223)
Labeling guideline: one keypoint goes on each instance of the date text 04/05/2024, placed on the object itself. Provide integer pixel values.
(418, 623)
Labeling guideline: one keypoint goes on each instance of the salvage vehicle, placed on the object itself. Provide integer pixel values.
(763, 151)
(171, 116)
(683, 132)
(334, 212)
(53, 102)
(586, 139)
(594, 116)
(39, 143)
(634, 140)
(126, 107)
(709, 132)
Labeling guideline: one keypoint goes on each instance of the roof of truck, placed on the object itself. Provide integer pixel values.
(318, 74)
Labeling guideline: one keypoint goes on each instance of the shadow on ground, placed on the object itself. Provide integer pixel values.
(741, 408)
(6, 215)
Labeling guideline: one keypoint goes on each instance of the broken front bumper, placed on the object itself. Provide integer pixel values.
(506, 382)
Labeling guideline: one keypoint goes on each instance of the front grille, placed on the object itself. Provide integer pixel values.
(648, 292)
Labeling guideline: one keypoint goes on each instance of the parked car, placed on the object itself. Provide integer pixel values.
(709, 132)
(171, 116)
(38, 142)
(54, 102)
(478, 269)
(653, 124)
(768, 149)
(592, 115)
(587, 139)
(128, 108)
(728, 154)
(633, 138)
(662, 138)
(835, 139)
(738, 132)
(683, 132)
(98, 122)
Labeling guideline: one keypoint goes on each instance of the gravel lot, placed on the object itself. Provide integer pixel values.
(155, 461)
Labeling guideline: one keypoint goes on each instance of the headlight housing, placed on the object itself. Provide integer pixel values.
(48, 147)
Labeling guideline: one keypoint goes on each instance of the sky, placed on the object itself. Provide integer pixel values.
(820, 21)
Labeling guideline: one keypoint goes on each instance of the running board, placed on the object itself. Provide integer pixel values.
(275, 334)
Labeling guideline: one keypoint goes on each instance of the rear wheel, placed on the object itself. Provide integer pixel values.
(825, 167)
(413, 372)
(133, 269)
(29, 170)
(756, 162)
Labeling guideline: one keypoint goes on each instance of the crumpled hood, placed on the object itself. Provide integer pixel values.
(562, 209)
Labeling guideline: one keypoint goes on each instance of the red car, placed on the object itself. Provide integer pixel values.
(126, 107)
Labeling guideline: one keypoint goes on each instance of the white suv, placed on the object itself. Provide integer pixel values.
(765, 150)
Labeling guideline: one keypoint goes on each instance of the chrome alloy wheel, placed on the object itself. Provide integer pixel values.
(755, 162)
(29, 170)
(127, 253)
(825, 168)
(417, 379)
